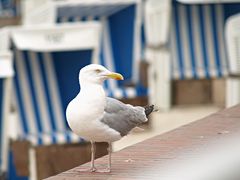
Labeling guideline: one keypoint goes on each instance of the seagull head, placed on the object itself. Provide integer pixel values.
(95, 73)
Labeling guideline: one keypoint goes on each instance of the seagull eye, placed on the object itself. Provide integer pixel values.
(98, 70)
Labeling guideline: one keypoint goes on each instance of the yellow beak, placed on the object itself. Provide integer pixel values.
(115, 76)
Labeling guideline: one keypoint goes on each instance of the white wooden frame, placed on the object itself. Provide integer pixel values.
(232, 34)
(55, 37)
(6, 72)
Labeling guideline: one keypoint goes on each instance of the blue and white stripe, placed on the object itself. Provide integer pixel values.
(197, 41)
(121, 42)
(91, 9)
(41, 100)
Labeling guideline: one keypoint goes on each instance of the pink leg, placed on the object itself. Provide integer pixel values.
(93, 168)
(108, 169)
(93, 151)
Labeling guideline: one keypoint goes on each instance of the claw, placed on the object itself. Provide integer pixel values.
(93, 169)
(107, 170)
(82, 170)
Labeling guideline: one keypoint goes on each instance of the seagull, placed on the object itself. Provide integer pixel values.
(98, 118)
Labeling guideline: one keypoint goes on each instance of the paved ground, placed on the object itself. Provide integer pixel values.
(162, 122)
(205, 149)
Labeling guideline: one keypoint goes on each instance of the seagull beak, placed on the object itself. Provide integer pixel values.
(115, 76)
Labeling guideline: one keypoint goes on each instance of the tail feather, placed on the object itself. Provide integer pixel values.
(149, 109)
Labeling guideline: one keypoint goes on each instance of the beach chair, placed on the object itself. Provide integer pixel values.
(204, 43)
(196, 42)
(232, 32)
(47, 61)
(6, 73)
(120, 41)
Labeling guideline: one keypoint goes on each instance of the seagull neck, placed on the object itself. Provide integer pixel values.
(91, 87)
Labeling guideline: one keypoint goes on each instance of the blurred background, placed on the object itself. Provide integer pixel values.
(183, 56)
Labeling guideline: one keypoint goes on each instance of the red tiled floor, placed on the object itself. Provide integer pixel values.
(145, 159)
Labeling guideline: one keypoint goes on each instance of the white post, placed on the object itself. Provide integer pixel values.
(232, 91)
(6, 113)
(163, 79)
(150, 57)
(137, 40)
(232, 36)
(6, 72)
(32, 163)
(159, 78)
(157, 26)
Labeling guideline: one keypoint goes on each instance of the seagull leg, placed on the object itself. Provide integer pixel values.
(92, 168)
(109, 156)
(93, 150)
(108, 169)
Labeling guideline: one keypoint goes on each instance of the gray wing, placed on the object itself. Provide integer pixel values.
(122, 117)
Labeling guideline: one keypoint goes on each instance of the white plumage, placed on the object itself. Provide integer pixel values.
(97, 118)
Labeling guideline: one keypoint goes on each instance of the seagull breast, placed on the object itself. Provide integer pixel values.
(84, 114)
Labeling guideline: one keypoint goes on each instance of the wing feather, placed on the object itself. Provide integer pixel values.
(122, 117)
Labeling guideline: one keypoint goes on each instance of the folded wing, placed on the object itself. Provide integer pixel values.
(122, 117)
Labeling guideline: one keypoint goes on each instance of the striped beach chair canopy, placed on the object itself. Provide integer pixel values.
(121, 35)
(47, 61)
(197, 40)
(6, 72)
